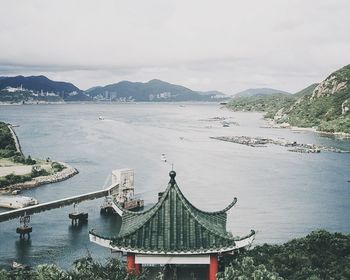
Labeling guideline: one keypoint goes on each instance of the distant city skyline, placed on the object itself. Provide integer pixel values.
(204, 45)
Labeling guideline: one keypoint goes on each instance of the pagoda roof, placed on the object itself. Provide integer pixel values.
(173, 225)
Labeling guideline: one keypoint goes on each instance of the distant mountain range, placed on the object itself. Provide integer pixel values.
(154, 90)
(259, 92)
(41, 89)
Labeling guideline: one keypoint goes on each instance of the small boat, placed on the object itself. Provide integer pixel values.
(101, 118)
(16, 265)
(15, 192)
(163, 157)
(225, 124)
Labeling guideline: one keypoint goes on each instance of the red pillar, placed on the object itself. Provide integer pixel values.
(138, 268)
(213, 266)
(130, 262)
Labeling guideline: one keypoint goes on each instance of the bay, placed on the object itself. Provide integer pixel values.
(282, 195)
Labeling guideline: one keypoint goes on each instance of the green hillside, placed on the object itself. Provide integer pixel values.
(325, 106)
(262, 103)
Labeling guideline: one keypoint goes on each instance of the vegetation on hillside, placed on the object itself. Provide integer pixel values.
(6, 140)
(325, 105)
(318, 256)
(11, 156)
(262, 103)
(83, 269)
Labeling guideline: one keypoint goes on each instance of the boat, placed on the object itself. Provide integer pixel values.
(163, 158)
(17, 265)
(15, 192)
(225, 124)
(101, 118)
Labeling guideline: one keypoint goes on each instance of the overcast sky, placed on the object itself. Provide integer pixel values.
(204, 45)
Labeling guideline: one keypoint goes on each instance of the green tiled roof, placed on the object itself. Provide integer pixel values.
(173, 224)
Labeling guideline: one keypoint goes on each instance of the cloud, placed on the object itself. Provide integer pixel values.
(226, 45)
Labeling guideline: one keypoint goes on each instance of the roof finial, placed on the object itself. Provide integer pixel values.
(172, 175)
(172, 167)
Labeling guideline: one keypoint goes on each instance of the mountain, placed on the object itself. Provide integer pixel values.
(269, 103)
(37, 83)
(306, 91)
(327, 107)
(154, 90)
(259, 92)
(324, 105)
(38, 88)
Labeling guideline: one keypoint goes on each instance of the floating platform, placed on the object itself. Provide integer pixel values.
(78, 217)
(16, 201)
(23, 230)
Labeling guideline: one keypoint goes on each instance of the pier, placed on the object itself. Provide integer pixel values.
(13, 214)
(119, 195)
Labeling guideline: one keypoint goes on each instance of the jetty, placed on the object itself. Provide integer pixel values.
(293, 145)
(16, 201)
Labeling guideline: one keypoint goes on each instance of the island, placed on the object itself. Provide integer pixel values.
(18, 171)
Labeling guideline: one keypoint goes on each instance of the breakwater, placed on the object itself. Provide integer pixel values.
(64, 174)
(292, 145)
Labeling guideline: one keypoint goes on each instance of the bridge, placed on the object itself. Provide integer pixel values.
(13, 214)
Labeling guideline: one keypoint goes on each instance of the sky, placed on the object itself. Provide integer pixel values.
(202, 44)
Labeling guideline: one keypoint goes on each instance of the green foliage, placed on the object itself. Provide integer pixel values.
(36, 173)
(4, 153)
(57, 167)
(11, 179)
(21, 159)
(323, 112)
(83, 269)
(262, 103)
(320, 255)
(247, 270)
(6, 140)
(306, 91)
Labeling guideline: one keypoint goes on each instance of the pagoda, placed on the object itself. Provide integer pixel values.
(173, 231)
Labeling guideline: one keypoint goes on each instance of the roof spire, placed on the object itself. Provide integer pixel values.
(172, 175)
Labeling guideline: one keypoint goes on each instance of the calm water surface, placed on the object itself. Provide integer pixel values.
(282, 195)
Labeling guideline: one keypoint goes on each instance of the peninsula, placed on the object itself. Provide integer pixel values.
(18, 172)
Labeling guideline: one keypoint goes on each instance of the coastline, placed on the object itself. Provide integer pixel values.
(15, 138)
(272, 124)
(62, 175)
(65, 174)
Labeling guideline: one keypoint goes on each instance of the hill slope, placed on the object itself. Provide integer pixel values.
(154, 90)
(259, 92)
(37, 83)
(327, 107)
(38, 89)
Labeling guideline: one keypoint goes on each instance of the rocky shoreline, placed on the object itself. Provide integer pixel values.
(66, 173)
(272, 124)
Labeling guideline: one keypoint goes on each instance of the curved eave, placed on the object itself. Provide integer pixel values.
(223, 211)
(243, 242)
